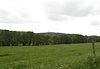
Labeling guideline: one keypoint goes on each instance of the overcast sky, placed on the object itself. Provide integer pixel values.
(65, 16)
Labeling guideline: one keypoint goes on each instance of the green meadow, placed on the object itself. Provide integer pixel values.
(64, 56)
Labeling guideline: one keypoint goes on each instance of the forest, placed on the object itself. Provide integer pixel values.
(29, 38)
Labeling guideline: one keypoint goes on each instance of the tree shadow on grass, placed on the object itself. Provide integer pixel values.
(3, 55)
(97, 63)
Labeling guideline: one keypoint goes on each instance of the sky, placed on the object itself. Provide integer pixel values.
(64, 16)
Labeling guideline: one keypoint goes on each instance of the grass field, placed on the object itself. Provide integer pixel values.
(67, 56)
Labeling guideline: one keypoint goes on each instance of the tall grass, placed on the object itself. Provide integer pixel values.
(71, 56)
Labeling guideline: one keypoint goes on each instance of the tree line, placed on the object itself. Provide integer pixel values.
(22, 38)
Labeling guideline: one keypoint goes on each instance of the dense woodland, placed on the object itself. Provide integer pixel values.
(22, 38)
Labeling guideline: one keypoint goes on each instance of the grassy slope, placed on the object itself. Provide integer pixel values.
(70, 56)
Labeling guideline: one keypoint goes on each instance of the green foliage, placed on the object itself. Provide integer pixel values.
(15, 38)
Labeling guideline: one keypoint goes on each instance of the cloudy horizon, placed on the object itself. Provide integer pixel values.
(64, 16)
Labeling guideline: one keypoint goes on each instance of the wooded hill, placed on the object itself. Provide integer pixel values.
(22, 38)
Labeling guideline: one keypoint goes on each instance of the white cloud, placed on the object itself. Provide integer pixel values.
(66, 16)
(95, 23)
(21, 11)
(9, 17)
(73, 8)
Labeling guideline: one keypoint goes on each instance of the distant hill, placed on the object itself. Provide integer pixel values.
(51, 33)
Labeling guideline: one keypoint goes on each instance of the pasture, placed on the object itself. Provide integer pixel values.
(64, 56)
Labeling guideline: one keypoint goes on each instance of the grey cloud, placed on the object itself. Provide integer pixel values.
(77, 9)
(8, 17)
(95, 23)
(3, 13)
(57, 17)
(73, 8)
(24, 15)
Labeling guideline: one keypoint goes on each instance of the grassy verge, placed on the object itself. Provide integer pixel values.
(67, 56)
